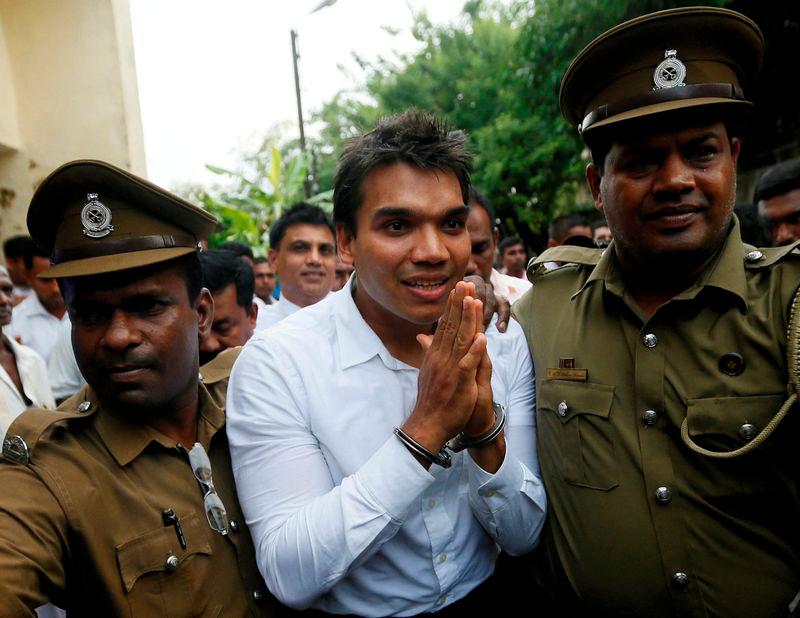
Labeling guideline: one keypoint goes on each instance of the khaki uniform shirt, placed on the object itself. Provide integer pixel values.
(640, 525)
(81, 522)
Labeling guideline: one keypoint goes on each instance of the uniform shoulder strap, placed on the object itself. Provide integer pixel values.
(220, 368)
(765, 257)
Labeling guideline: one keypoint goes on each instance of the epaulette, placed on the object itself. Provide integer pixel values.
(764, 257)
(220, 368)
(25, 431)
(564, 254)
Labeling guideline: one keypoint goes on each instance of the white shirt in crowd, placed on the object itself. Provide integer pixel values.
(510, 287)
(343, 517)
(35, 326)
(33, 375)
(274, 313)
(62, 368)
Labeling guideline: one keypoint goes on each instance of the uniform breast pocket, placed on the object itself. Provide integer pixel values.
(162, 579)
(576, 434)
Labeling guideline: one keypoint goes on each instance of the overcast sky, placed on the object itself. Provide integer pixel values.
(215, 76)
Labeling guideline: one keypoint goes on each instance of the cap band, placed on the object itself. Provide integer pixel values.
(123, 245)
(685, 92)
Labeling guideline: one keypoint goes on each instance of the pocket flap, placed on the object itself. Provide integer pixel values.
(569, 399)
(148, 552)
(725, 416)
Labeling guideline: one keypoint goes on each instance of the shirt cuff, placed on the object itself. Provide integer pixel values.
(499, 488)
(394, 478)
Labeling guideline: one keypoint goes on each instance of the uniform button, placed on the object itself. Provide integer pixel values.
(171, 563)
(84, 406)
(680, 579)
(663, 495)
(747, 432)
(650, 340)
(258, 594)
(442, 557)
(754, 256)
(731, 364)
(649, 417)
(234, 526)
(431, 503)
(562, 408)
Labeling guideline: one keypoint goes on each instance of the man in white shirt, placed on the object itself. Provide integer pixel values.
(23, 375)
(17, 250)
(483, 234)
(37, 320)
(302, 250)
(338, 420)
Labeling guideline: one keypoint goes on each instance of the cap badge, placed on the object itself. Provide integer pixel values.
(670, 72)
(96, 218)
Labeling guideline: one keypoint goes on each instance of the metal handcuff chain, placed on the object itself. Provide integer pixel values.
(793, 367)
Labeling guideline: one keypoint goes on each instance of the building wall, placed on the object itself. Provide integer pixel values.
(67, 91)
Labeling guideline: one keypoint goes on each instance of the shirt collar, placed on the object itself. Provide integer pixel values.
(126, 439)
(357, 342)
(725, 272)
(286, 306)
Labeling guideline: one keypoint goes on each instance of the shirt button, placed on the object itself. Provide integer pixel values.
(650, 340)
(663, 495)
(84, 406)
(680, 579)
(234, 526)
(488, 493)
(431, 503)
(649, 417)
(562, 408)
(171, 563)
(754, 256)
(747, 432)
(258, 594)
(442, 557)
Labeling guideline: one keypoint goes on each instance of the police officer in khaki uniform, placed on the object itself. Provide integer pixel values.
(661, 362)
(122, 503)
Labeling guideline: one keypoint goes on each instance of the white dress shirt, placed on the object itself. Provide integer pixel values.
(35, 326)
(274, 313)
(33, 375)
(343, 517)
(510, 287)
(62, 368)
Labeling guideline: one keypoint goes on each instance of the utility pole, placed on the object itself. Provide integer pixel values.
(295, 58)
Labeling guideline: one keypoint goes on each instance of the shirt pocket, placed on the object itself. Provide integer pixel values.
(162, 579)
(577, 417)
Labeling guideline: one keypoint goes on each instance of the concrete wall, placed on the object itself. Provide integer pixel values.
(67, 91)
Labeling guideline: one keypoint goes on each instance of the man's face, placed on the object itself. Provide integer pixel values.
(411, 245)
(514, 258)
(668, 194)
(782, 215)
(265, 279)
(484, 241)
(305, 262)
(6, 298)
(135, 335)
(232, 325)
(343, 272)
(602, 234)
(16, 270)
(46, 289)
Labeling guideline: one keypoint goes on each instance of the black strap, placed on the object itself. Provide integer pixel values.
(123, 245)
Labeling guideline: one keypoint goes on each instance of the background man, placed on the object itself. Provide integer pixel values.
(601, 234)
(23, 375)
(302, 250)
(230, 281)
(513, 257)
(19, 251)
(350, 518)
(777, 198)
(38, 319)
(343, 272)
(570, 230)
(655, 358)
(265, 278)
(483, 235)
(103, 509)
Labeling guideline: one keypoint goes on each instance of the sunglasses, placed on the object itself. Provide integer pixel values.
(215, 510)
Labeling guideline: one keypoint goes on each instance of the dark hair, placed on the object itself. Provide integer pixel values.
(239, 249)
(299, 213)
(560, 225)
(414, 137)
(476, 197)
(598, 224)
(508, 241)
(221, 268)
(777, 180)
(24, 247)
(261, 260)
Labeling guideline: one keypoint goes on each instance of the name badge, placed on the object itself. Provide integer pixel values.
(574, 375)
